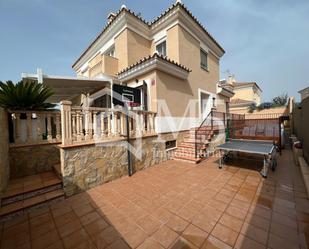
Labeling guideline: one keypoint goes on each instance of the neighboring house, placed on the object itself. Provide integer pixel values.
(173, 59)
(245, 94)
(304, 93)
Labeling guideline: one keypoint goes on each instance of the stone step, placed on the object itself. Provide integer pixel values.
(30, 187)
(187, 159)
(20, 207)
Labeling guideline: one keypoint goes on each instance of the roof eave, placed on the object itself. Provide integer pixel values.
(153, 63)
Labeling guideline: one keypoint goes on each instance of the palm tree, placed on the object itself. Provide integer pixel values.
(25, 95)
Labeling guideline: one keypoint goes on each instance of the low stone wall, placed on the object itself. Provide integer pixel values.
(4, 150)
(84, 167)
(30, 160)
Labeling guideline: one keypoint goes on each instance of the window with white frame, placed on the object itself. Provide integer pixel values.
(204, 59)
(111, 52)
(161, 48)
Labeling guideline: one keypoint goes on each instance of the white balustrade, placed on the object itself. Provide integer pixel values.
(35, 127)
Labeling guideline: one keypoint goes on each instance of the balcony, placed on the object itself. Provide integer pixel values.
(103, 64)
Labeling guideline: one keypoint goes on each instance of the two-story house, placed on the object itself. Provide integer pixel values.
(173, 59)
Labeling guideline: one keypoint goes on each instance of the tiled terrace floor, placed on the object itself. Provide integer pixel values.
(176, 205)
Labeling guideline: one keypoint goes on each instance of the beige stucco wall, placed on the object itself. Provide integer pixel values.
(130, 48)
(176, 93)
(247, 93)
(185, 49)
(4, 150)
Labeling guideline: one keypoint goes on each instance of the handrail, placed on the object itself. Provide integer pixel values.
(210, 114)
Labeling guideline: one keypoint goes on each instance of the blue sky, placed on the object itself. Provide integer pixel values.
(265, 41)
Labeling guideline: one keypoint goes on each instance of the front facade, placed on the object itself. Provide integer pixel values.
(173, 59)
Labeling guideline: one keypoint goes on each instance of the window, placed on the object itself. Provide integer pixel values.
(170, 144)
(204, 56)
(161, 48)
(111, 52)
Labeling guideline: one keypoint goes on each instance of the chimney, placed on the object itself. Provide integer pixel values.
(111, 16)
(231, 79)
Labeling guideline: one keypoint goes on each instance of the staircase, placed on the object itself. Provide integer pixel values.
(30, 192)
(196, 143)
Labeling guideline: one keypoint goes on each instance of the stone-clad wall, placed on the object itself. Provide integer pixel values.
(30, 160)
(4, 150)
(88, 166)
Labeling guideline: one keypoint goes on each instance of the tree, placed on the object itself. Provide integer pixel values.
(280, 100)
(25, 95)
(252, 108)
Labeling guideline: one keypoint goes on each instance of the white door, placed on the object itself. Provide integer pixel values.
(205, 105)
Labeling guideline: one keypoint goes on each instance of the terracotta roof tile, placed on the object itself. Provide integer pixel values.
(181, 5)
(240, 101)
(155, 55)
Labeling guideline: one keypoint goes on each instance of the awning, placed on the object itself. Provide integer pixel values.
(66, 87)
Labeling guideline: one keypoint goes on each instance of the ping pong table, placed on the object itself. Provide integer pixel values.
(267, 149)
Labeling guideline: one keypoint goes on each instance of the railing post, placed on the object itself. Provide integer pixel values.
(211, 120)
(17, 128)
(66, 122)
(29, 127)
(49, 128)
(102, 115)
(95, 126)
(39, 127)
(74, 126)
(109, 130)
(58, 126)
(152, 128)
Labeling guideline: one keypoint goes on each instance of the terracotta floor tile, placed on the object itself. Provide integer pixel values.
(236, 212)
(135, 237)
(150, 244)
(225, 234)
(214, 243)
(96, 226)
(284, 220)
(231, 222)
(45, 240)
(195, 235)
(76, 238)
(41, 219)
(162, 215)
(258, 221)
(83, 209)
(118, 244)
(255, 233)
(177, 224)
(149, 224)
(284, 232)
(56, 245)
(61, 211)
(182, 243)
(90, 217)
(42, 229)
(16, 240)
(108, 235)
(165, 236)
(263, 212)
(275, 242)
(69, 228)
(65, 218)
(16, 229)
(244, 242)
